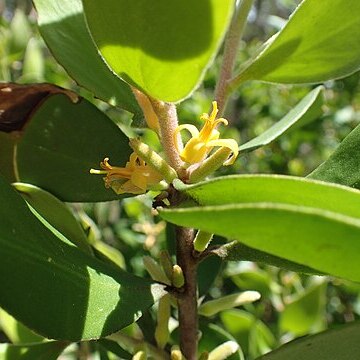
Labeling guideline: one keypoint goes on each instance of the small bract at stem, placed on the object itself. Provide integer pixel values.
(151, 118)
(177, 278)
(166, 263)
(202, 240)
(155, 270)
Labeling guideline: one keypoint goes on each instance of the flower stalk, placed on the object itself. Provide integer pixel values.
(210, 165)
(168, 122)
(153, 159)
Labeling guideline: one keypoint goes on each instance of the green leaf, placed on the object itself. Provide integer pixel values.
(42, 351)
(343, 166)
(306, 110)
(56, 214)
(62, 25)
(306, 312)
(56, 289)
(336, 344)
(238, 189)
(7, 143)
(311, 223)
(61, 143)
(319, 42)
(160, 48)
(16, 332)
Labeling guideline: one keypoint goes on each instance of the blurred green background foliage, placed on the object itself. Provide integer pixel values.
(292, 304)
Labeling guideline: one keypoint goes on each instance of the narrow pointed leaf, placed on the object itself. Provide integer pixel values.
(37, 351)
(343, 166)
(62, 25)
(307, 109)
(311, 223)
(319, 42)
(160, 47)
(54, 154)
(56, 289)
(56, 213)
(320, 239)
(336, 344)
(238, 189)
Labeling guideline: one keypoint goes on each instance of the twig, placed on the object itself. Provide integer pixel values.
(187, 300)
(168, 122)
(232, 43)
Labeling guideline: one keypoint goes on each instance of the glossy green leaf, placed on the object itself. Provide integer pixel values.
(337, 344)
(343, 166)
(62, 25)
(307, 109)
(306, 312)
(320, 239)
(41, 351)
(311, 223)
(16, 332)
(158, 47)
(56, 289)
(56, 213)
(239, 189)
(319, 42)
(54, 154)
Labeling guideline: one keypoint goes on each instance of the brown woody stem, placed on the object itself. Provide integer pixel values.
(187, 300)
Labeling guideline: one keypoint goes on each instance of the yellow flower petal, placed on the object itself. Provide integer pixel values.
(202, 142)
(230, 144)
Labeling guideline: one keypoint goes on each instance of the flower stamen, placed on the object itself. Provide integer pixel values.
(135, 178)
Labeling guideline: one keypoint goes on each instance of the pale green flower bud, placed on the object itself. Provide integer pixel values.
(223, 351)
(212, 307)
(163, 315)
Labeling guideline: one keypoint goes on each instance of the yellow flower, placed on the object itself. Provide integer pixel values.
(135, 178)
(202, 142)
